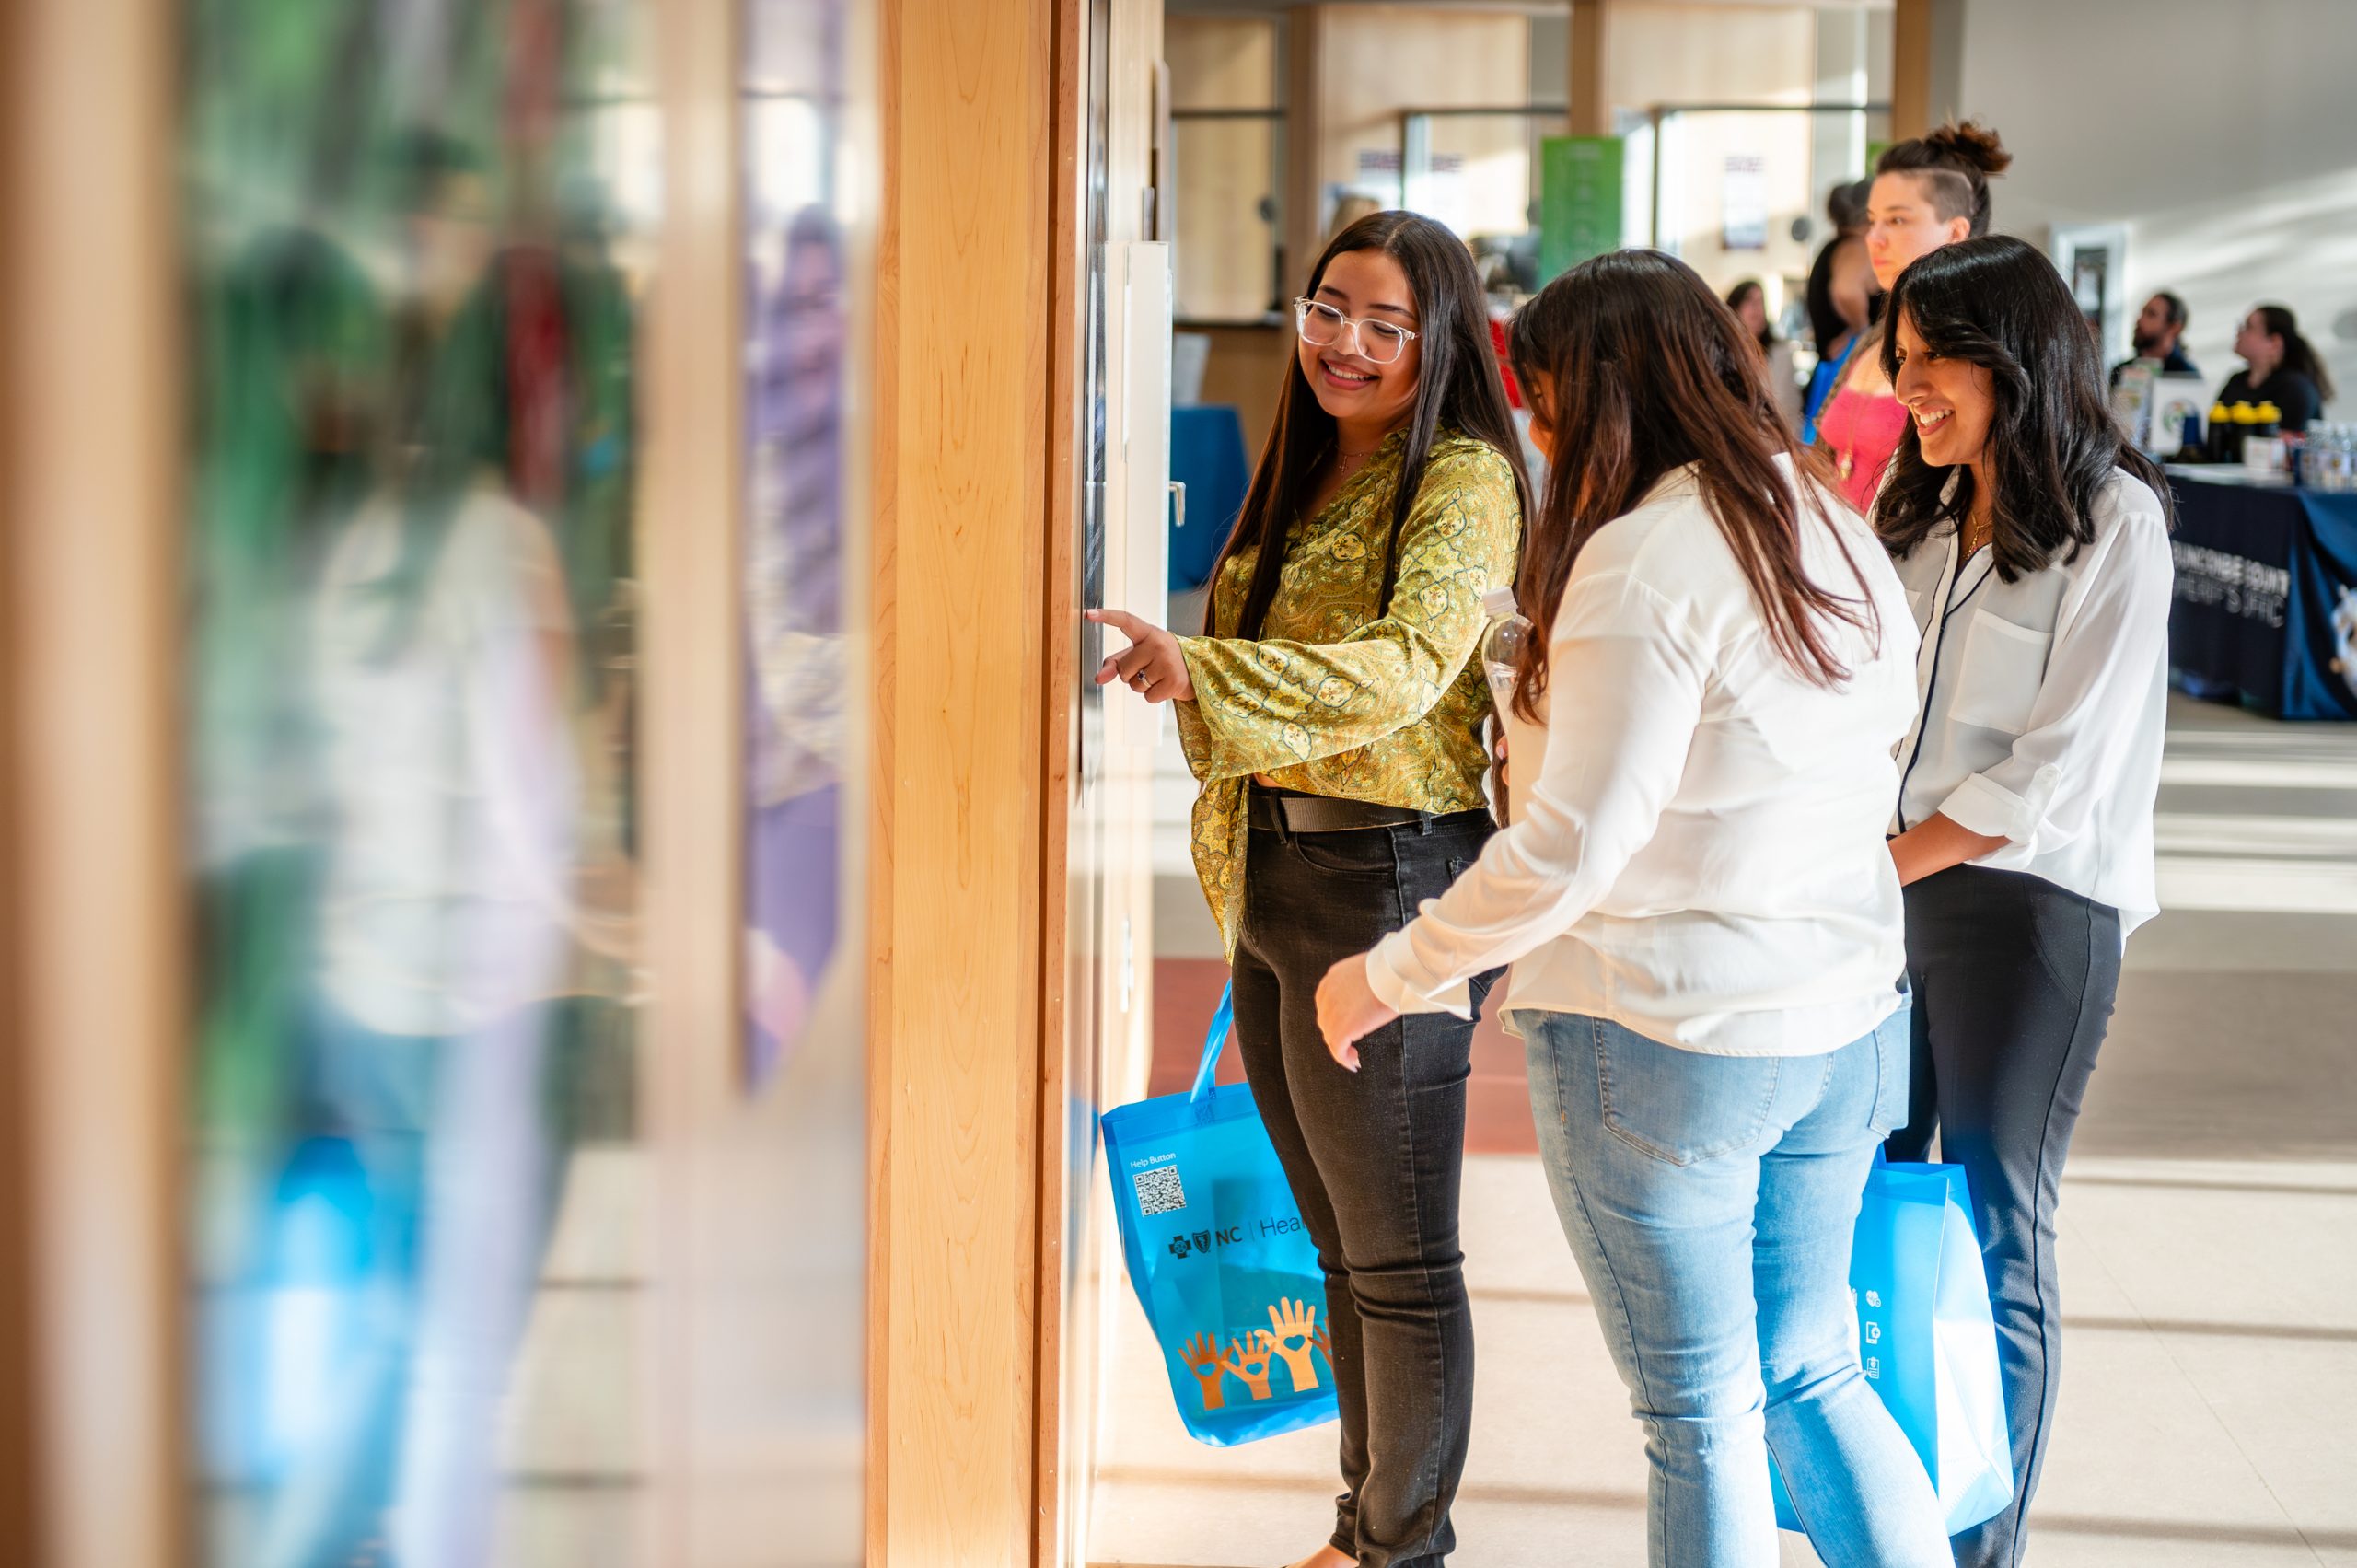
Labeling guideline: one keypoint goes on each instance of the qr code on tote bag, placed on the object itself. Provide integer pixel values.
(1160, 1191)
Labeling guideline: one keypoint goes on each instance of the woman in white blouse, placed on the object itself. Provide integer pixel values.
(2034, 544)
(1702, 916)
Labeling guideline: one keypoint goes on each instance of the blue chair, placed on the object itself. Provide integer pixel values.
(1207, 457)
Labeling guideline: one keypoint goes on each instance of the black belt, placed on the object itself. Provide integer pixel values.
(1325, 814)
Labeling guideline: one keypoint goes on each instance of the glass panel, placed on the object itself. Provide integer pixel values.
(1732, 182)
(1230, 221)
(794, 390)
(1479, 174)
(417, 235)
(780, 1371)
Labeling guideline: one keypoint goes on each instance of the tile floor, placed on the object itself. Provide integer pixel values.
(2208, 1235)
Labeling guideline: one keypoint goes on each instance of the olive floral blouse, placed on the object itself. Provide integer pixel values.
(1336, 697)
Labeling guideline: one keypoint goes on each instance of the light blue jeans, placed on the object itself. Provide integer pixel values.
(1709, 1202)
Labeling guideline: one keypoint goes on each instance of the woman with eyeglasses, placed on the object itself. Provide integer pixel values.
(2033, 540)
(1334, 716)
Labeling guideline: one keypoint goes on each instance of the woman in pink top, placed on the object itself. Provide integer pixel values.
(1929, 192)
(1861, 431)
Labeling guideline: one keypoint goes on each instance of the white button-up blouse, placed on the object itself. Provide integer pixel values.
(1696, 851)
(2044, 703)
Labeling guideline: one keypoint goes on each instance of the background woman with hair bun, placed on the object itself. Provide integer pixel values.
(1929, 191)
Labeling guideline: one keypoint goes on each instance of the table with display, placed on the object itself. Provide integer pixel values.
(2266, 595)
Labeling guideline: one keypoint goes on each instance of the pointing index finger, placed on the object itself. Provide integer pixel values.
(1121, 620)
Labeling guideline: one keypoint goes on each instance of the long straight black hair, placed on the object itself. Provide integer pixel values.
(1998, 303)
(1458, 384)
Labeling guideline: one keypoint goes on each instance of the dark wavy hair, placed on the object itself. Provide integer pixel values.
(2298, 353)
(1643, 370)
(1998, 303)
(1458, 384)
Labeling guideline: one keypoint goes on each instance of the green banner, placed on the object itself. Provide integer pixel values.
(1579, 201)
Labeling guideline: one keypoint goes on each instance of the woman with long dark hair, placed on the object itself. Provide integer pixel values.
(1703, 921)
(1928, 192)
(2034, 544)
(1334, 716)
(1748, 300)
(2279, 367)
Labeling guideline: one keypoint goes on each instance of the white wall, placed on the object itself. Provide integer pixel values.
(2224, 135)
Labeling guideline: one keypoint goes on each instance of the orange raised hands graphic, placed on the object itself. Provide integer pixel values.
(1249, 1359)
(1295, 1323)
(1202, 1355)
(1324, 1342)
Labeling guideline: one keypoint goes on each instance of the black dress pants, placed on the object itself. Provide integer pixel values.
(1376, 1158)
(2014, 981)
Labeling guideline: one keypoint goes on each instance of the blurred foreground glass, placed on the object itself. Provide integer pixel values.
(417, 237)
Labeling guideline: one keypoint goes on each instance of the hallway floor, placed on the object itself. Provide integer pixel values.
(2208, 1233)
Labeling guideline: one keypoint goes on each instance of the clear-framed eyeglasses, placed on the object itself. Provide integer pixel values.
(1322, 326)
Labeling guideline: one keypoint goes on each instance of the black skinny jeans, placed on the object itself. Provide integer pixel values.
(1376, 1158)
(2014, 980)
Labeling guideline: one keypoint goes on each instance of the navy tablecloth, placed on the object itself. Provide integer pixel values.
(2265, 609)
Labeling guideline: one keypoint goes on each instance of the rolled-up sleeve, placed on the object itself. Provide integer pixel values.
(2104, 689)
(1626, 677)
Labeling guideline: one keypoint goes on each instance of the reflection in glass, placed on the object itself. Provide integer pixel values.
(786, 1314)
(794, 550)
(413, 232)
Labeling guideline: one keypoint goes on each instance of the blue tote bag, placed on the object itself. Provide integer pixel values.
(1926, 1339)
(1219, 1258)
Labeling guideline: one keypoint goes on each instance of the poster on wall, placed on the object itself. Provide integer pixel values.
(1743, 203)
(1579, 202)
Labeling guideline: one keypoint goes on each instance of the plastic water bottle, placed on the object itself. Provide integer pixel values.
(1502, 643)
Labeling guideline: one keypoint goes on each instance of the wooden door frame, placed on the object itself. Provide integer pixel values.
(95, 1433)
(961, 769)
(1068, 319)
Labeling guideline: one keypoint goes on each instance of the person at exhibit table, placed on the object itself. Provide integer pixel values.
(2160, 335)
(2280, 367)
(1928, 192)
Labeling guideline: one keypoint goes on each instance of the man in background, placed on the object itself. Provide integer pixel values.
(2160, 334)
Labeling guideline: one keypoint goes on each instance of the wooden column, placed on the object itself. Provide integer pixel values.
(1591, 76)
(960, 761)
(91, 650)
(1910, 75)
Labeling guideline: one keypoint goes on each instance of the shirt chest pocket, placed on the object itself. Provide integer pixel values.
(1998, 678)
